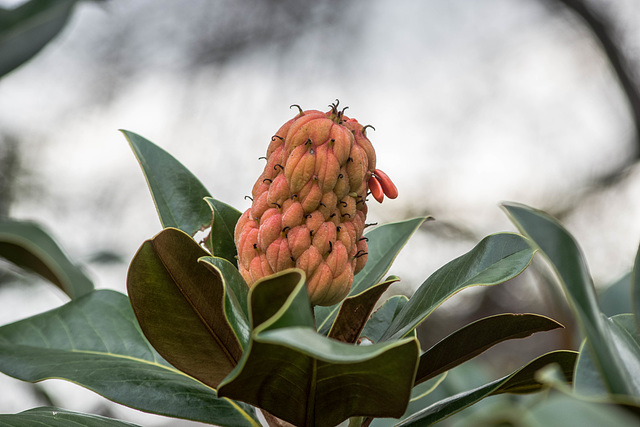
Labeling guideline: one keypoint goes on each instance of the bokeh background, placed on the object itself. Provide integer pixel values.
(474, 102)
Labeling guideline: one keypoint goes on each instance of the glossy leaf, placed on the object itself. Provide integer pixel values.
(614, 299)
(477, 337)
(177, 193)
(56, 417)
(560, 248)
(625, 337)
(27, 28)
(496, 259)
(355, 311)
(521, 381)
(563, 410)
(578, 410)
(235, 285)
(220, 240)
(385, 242)
(382, 317)
(294, 372)
(95, 342)
(180, 305)
(27, 245)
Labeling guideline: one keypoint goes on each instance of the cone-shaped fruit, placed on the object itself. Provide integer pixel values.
(309, 204)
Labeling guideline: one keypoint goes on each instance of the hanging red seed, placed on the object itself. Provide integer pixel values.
(376, 189)
(388, 186)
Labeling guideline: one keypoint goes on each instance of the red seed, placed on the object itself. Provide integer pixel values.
(376, 189)
(388, 186)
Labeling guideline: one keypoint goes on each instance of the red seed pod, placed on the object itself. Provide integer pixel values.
(278, 191)
(342, 187)
(296, 136)
(357, 167)
(244, 221)
(309, 204)
(260, 205)
(303, 171)
(318, 130)
(321, 288)
(259, 268)
(275, 163)
(338, 259)
(376, 189)
(347, 235)
(269, 231)
(310, 196)
(314, 221)
(341, 140)
(388, 186)
(328, 204)
(324, 237)
(293, 215)
(279, 255)
(362, 254)
(327, 168)
(299, 240)
(310, 260)
(247, 246)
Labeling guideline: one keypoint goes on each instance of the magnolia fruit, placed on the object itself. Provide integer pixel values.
(309, 204)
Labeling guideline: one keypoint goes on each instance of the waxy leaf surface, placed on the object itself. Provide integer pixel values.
(355, 311)
(306, 378)
(384, 244)
(177, 193)
(521, 381)
(477, 337)
(27, 245)
(382, 317)
(496, 259)
(619, 371)
(588, 379)
(56, 417)
(220, 240)
(95, 341)
(180, 304)
(27, 28)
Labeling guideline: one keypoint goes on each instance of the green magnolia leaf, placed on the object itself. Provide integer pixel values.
(635, 288)
(235, 285)
(496, 259)
(477, 337)
(180, 304)
(56, 417)
(614, 299)
(567, 411)
(560, 248)
(223, 225)
(521, 381)
(578, 410)
(625, 337)
(382, 318)
(384, 244)
(177, 193)
(27, 28)
(95, 341)
(27, 245)
(306, 378)
(355, 311)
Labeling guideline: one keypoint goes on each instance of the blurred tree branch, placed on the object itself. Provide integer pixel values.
(606, 32)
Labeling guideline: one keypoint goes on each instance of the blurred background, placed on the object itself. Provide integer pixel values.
(474, 102)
